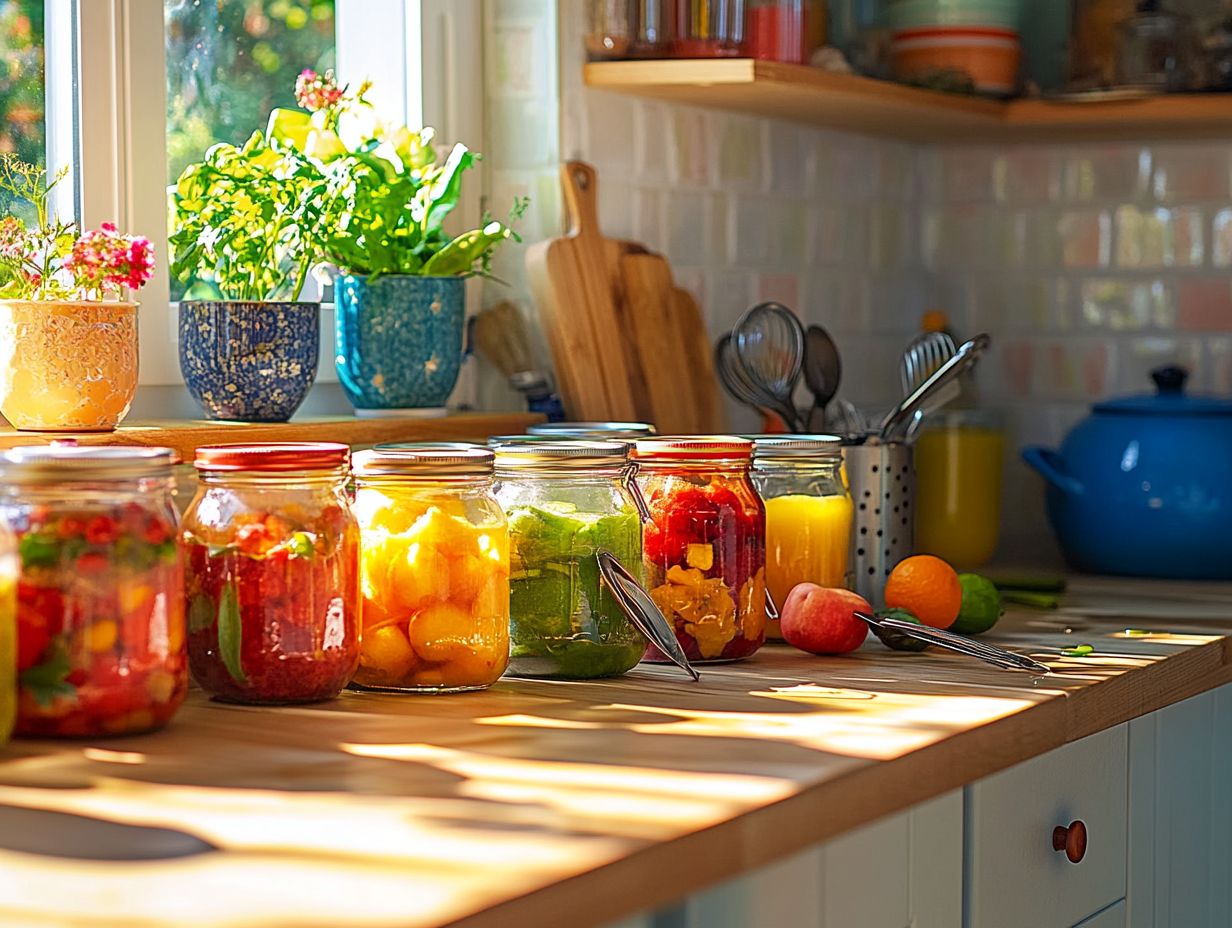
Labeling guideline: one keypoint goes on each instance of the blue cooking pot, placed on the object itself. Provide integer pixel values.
(1143, 486)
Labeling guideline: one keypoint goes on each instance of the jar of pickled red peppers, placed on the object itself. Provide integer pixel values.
(99, 598)
(808, 512)
(566, 501)
(704, 544)
(272, 552)
(8, 633)
(434, 569)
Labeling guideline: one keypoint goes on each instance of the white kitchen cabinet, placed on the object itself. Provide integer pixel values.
(1180, 838)
(905, 870)
(1015, 879)
(1112, 917)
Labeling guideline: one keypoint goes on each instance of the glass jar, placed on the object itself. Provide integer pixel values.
(592, 431)
(808, 513)
(627, 28)
(709, 29)
(8, 633)
(786, 30)
(959, 460)
(705, 544)
(433, 568)
(273, 573)
(100, 598)
(565, 502)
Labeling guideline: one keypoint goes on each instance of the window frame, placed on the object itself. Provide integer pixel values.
(107, 108)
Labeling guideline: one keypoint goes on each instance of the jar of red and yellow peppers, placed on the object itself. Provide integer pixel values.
(8, 633)
(704, 544)
(566, 501)
(100, 601)
(434, 569)
(808, 512)
(273, 573)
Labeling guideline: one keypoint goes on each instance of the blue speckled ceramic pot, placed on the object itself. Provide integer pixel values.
(249, 361)
(399, 340)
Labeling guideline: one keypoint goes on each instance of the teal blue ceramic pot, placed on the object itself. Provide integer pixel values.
(398, 340)
(246, 360)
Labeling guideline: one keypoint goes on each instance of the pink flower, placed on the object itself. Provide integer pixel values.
(14, 243)
(316, 91)
(105, 260)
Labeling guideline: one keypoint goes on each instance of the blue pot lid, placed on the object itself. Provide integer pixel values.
(1169, 399)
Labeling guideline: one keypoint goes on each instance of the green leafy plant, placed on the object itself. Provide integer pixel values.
(388, 193)
(245, 222)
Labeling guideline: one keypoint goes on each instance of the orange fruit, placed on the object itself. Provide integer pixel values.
(927, 587)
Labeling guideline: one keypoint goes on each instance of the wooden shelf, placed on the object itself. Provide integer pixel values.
(185, 436)
(860, 104)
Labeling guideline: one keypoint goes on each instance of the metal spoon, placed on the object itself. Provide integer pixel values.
(897, 421)
(823, 371)
(769, 344)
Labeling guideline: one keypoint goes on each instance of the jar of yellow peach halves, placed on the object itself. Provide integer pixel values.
(434, 569)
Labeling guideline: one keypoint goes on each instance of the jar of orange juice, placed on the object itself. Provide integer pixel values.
(958, 465)
(8, 633)
(808, 512)
(434, 569)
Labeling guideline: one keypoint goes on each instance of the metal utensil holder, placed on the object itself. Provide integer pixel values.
(881, 478)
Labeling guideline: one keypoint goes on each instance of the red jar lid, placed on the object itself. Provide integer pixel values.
(274, 456)
(694, 448)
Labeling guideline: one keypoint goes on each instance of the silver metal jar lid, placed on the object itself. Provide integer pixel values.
(797, 447)
(32, 465)
(538, 454)
(424, 459)
(592, 430)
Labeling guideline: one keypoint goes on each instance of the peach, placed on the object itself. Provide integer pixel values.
(441, 632)
(387, 650)
(820, 620)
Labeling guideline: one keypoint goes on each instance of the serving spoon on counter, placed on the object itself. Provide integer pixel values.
(960, 644)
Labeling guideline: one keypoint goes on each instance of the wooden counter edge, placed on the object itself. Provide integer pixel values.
(825, 811)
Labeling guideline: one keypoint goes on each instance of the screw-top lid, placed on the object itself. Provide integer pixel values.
(694, 448)
(540, 454)
(424, 459)
(274, 456)
(61, 461)
(593, 430)
(1169, 398)
(797, 447)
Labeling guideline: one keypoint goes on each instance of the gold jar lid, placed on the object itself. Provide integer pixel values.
(34, 465)
(797, 447)
(538, 454)
(424, 459)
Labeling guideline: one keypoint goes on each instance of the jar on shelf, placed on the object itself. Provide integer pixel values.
(433, 567)
(808, 513)
(100, 597)
(785, 30)
(566, 501)
(273, 573)
(8, 633)
(709, 29)
(627, 28)
(704, 543)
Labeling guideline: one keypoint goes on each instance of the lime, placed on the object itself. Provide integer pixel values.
(897, 641)
(981, 605)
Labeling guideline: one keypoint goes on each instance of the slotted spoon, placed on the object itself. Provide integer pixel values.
(769, 342)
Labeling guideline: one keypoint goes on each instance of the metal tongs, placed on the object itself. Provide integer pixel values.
(989, 654)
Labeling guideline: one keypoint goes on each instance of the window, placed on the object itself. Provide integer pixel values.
(23, 126)
(229, 62)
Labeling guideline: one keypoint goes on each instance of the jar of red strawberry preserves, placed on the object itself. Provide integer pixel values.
(100, 599)
(272, 573)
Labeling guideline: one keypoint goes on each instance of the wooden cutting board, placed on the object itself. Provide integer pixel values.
(627, 342)
(574, 279)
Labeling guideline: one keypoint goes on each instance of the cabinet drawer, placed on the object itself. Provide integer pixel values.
(1013, 875)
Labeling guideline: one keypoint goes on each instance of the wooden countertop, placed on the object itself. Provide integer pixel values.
(186, 435)
(537, 800)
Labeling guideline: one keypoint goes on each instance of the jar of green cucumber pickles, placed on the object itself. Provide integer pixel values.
(566, 501)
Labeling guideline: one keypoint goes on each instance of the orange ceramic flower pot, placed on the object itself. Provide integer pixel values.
(67, 366)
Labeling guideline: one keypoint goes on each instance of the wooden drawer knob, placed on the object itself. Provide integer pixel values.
(1071, 840)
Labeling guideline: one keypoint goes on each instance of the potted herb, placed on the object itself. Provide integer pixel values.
(400, 292)
(68, 332)
(244, 237)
